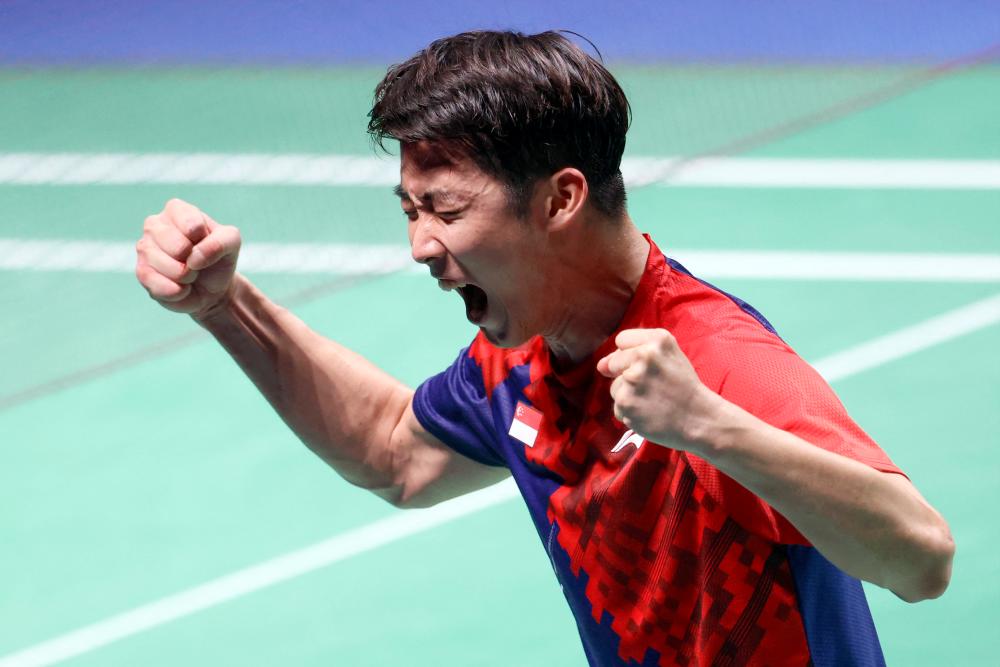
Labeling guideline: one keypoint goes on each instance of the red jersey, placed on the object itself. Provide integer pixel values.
(664, 559)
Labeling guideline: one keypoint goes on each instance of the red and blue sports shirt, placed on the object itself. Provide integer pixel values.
(663, 558)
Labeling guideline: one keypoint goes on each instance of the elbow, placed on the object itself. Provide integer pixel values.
(414, 502)
(415, 493)
(933, 576)
(937, 577)
(391, 495)
(399, 496)
(394, 492)
(405, 497)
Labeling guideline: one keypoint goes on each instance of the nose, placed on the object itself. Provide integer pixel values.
(424, 245)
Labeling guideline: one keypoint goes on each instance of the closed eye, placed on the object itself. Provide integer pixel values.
(447, 216)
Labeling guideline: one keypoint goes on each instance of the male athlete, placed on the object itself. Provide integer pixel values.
(702, 494)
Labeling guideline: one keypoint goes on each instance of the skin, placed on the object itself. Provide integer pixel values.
(465, 233)
(564, 272)
(873, 525)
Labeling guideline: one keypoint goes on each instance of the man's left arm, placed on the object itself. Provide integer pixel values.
(871, 524)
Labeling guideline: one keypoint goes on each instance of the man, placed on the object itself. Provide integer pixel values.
(703, 496)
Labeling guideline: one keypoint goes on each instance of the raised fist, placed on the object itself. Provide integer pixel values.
(186, 260)
(656, 391)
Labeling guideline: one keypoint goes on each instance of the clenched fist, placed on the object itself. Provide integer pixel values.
(656, 390)
(186, 260)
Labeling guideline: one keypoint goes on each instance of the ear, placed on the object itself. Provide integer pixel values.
(566, 192)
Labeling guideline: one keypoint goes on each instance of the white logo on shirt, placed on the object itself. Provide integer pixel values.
(629, 438)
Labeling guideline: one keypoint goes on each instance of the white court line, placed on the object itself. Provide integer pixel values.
(256, 577)
(306, 169)
(358, 259)
(866, 266)
(910, 340)
(851, 361)
(820, 173)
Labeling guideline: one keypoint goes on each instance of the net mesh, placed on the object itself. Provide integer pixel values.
(296, 85)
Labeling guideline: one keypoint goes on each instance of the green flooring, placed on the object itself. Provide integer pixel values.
(678, 110)
(165, 473)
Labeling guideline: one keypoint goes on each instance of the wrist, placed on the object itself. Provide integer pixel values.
(222, 307)
(705, 428)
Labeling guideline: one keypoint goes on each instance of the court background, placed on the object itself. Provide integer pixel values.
(137, 463)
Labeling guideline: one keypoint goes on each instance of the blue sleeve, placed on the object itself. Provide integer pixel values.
(453, 407)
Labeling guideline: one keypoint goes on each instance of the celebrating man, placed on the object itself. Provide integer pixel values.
(702, 494)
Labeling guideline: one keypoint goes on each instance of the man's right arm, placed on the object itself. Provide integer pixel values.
(354, 416)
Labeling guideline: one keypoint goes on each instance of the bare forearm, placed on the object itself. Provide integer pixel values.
(872, 525)
(339, 404)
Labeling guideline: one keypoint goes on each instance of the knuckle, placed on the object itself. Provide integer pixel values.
(167, 290)
(174, 271)
(175, 245)
(186, 216)
(209, 248)
(191, 224)
(176, 293)
(183, 248)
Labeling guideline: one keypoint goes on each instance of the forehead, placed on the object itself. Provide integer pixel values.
(448, 175)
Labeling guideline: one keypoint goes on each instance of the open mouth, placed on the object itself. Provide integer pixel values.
(475, 303)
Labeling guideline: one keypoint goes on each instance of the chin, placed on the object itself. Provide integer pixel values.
(503, 337)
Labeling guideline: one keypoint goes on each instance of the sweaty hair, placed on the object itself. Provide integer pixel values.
(520, 106)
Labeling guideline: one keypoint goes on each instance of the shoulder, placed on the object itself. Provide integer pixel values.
(716, 330)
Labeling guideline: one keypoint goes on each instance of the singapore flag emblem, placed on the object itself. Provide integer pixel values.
(527, 421)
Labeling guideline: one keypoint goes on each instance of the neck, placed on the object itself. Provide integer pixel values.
(599, 271)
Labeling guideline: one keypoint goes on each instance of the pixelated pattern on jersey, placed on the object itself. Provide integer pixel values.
(677, 575)
(682, 563)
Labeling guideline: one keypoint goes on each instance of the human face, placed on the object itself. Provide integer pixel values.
(462, 227)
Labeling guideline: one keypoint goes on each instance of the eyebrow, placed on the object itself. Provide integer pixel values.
(433, 196)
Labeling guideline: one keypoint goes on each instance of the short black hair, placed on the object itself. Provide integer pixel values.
(520, 106)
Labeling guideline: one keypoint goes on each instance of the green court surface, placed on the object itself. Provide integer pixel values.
(136, 462)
